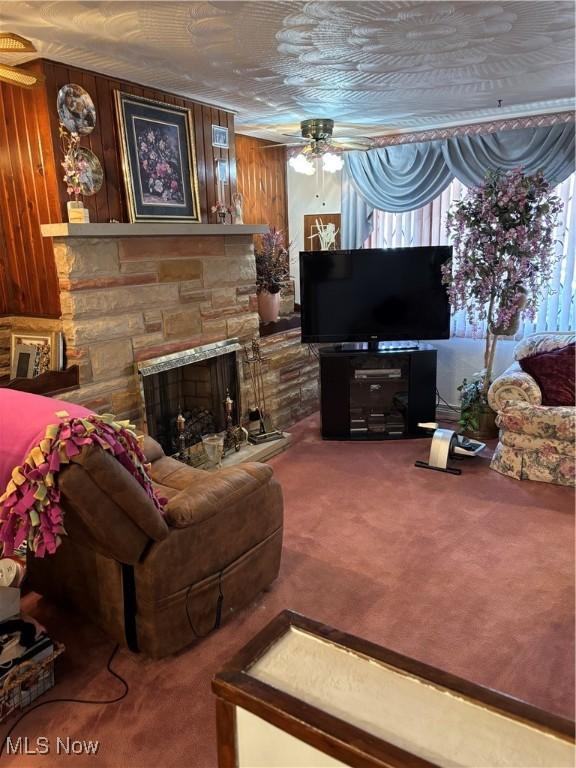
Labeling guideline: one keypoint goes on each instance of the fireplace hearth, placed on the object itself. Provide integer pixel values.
(192, 385)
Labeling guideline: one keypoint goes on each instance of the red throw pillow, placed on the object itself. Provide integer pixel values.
(555, 373)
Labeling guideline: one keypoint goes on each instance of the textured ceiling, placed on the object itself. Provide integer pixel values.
(372, 66)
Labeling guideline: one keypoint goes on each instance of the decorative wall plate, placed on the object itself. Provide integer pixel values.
(76, 109)
(91, 174)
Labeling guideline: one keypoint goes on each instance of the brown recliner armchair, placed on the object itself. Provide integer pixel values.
(158, 583)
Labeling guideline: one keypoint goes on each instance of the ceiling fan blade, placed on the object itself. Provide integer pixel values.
(354, 139)
(352, 148)
(280, 144)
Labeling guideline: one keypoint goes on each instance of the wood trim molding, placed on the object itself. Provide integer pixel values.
(226, 734)
(328, 734)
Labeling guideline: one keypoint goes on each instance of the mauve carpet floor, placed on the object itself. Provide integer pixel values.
(473, 574)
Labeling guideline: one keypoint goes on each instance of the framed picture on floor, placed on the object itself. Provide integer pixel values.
(158, 159)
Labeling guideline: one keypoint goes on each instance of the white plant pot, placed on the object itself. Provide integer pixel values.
(77, 214)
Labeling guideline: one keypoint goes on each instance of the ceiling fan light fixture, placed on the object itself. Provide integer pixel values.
(20, 77)
(331, 162)
(301, 164)
(10, 42)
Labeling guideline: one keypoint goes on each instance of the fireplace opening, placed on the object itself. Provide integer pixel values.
(193, 385)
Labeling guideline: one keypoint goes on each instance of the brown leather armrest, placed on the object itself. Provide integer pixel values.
(119, 485)
(93, 520)
(213, 490)
(151, 449)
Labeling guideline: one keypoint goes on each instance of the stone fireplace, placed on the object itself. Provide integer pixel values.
(133, 295)
(192, 385)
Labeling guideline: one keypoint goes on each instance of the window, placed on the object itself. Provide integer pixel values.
(427, 226)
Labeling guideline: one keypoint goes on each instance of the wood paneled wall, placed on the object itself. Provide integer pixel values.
(32, 191)
(28, 197)
(262, 182)
(110, 201)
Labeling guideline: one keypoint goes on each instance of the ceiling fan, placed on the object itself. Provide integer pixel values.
(317, 137)
(318, 142)
(10, 42)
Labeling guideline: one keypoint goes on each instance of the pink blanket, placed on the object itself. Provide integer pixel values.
(23, 421)
(37, 436)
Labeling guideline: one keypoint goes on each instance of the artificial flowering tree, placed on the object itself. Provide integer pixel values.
(74, 164)
(502, 233)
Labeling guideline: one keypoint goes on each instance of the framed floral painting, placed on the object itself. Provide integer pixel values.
(159, 160)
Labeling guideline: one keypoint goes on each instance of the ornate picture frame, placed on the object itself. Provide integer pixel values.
(49, 348)
(158, 159)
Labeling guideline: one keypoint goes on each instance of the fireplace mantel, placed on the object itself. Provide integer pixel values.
(132, 292)
(151, 229)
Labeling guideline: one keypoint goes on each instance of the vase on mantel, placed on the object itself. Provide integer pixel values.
(269, 306)
(77, 214)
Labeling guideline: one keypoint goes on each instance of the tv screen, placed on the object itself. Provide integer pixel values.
(374, 294)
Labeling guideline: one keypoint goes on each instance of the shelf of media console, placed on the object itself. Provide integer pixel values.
(345, 366)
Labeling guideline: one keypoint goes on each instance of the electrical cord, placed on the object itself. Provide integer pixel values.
(102, 702)
(218, 617)
(313, 351)
(440, 399)
(99, 702)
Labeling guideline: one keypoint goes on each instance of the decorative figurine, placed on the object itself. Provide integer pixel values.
(237, 205)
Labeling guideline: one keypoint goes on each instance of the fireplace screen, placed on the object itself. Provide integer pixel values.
(195, 385)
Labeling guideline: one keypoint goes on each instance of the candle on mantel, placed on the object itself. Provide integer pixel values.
(220, 189)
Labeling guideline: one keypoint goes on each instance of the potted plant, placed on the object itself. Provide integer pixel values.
(503, 257)
(74, 167)
(272, 260)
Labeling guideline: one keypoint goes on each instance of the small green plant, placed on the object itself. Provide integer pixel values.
(472, 402)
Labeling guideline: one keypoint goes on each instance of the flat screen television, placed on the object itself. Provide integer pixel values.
(374, 294)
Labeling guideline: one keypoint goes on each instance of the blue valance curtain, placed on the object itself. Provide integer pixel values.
(405, 177)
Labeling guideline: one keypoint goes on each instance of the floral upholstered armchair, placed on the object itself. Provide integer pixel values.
(537, 442)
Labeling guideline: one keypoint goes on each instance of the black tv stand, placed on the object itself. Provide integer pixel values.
(376, 392)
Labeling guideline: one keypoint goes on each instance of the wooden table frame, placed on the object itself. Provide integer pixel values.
(234, 687)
